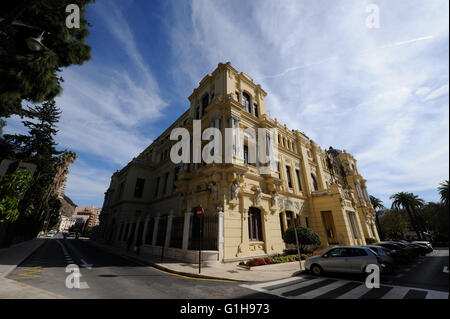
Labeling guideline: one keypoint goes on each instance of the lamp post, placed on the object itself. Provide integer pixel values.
(298, 246)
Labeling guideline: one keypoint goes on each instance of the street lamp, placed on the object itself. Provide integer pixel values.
(35, 44)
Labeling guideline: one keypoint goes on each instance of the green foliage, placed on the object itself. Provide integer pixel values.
(12, 188)
(34, 76)
(393, 224)
(370, 240)
(443, 191)
(410, 203)
(306, 236)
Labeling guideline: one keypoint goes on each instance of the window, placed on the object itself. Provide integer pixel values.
(307, 222)
(338, 252)
(139, 188)
(197, 112)
(175, 176)
(297, 172)
(121, 188)
(205, 102)
(166, 178)
(357, 252)
(246, 102)
(255, 109)
(245, 154)
(316, 188)
(288, 176)
(254, 224)
(237, 96)
(290, 219)
(157, 187)
(352, 219)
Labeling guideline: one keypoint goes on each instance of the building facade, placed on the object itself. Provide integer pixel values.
(247, 206)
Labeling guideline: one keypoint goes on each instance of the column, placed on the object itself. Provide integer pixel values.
(144, 233)
(155, 230)
(220, 239)
(136, 231)
(168, 230)
(187, 224)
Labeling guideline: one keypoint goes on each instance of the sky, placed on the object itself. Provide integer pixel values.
(381, 94)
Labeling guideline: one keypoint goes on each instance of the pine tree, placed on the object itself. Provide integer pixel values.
(34, 76)
(39, 148)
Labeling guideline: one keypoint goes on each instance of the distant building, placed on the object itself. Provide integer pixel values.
(61, 190)
(66, 222)
(89, 213)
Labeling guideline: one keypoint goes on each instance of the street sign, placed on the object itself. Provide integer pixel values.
(199, 212)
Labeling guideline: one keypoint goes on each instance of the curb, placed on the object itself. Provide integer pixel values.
(159, 267)
(21, 260)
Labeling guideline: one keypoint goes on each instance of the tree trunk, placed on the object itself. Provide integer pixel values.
(413, 223)
(380, 232)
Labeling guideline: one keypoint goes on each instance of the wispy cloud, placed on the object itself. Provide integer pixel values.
(381, 94)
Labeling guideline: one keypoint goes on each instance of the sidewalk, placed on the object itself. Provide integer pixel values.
(221, 271)
(10, 258)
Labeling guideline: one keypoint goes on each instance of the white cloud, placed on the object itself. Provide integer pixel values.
(341, 83)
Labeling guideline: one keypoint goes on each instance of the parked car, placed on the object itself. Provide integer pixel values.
(51, 234)
(71, 235)
(416, 250)
(426, 243)
(343, 259)
(403, 253)
(387, 255)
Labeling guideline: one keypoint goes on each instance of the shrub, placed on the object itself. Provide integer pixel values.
(370, 241)
(306, 236)
(256, 262)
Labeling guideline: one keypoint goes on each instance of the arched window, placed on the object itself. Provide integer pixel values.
(205, 101)
(246, 102)
(316, 188)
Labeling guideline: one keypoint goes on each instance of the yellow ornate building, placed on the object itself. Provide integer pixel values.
(153, 201)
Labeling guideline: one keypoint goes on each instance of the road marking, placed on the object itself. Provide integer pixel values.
(85, 265)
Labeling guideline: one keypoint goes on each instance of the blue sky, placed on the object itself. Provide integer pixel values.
(381, 94)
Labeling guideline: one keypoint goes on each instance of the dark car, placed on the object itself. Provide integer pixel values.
(404, 253)
(416, 250)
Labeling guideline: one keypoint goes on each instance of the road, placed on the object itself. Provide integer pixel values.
(106, 275)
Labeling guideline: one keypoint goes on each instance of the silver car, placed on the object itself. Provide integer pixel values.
(345, 259)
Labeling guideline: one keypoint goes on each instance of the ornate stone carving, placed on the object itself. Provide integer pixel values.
(214, 190)
(273, 199)
(258, 195)
(235, 189)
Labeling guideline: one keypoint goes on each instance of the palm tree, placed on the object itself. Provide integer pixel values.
(377, 205)
(409, 202)
(443, 191)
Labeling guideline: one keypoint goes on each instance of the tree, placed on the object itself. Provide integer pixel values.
(410, 203)
(39, 148)
(394, 225)
(27, 75)
(436, 217)
(443, 191)
(306, 236)
(12, 188)
(377, 205)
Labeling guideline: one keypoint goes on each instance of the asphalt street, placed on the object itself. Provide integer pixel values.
(106, 275)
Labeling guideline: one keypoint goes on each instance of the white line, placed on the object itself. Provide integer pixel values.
(320, 291)
(445, 269)
(432, 294)
(396, 293)
(272, 283)
(280, 291)
(355, 293)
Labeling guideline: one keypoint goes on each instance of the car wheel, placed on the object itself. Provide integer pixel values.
(316, 270)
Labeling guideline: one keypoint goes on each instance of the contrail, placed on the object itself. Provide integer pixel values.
(336, 57)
